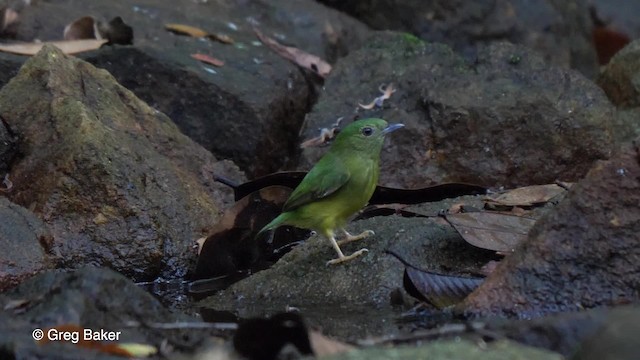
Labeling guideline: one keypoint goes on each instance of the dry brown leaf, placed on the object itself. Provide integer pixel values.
(492, 231)
(324, 346)
(527, 196)
(82, 28)
(193, 31)
(67, 46)
(208, 59)
(295, 55)
(186, 30)
(326, 134)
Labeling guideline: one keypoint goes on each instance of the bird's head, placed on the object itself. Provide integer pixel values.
(365, 134)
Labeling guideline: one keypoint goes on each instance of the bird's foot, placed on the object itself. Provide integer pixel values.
(349, 238)
(342, 259)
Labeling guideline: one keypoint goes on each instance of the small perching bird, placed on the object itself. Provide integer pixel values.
(339, 185)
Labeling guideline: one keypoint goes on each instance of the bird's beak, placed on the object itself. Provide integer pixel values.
(392, 127)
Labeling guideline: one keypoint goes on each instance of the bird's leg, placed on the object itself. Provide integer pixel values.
(341, 257)
(349, 238)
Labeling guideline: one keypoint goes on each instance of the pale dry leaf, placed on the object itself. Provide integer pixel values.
(208, 59)
(527, 196)
(181, 29)
(295, 55)
(66, 46)
(325, 346)
(200, 243)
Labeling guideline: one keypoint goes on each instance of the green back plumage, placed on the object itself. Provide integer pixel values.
(340, 183)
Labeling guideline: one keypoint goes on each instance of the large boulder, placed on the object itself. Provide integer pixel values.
(249, 110)
(508, 118)
(560, 30)
(583, 254)
(115, 180)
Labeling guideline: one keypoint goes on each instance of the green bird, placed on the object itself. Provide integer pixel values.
(339, 185)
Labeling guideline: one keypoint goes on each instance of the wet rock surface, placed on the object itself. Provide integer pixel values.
(507, 119)
(578, 256)
(559, 30)
(326, 294)
(114, 180)
(85, 298)
(25, 242)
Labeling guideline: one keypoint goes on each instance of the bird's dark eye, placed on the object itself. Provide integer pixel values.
(367, 131)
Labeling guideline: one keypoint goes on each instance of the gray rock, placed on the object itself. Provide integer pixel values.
(249, 110)
(24, 244)
(89, 298)
(451, 349)
(364, 290)
(583, 254)
(620, 79)
(559, 30)
(507, 119)
(115, 180)
(616, 338)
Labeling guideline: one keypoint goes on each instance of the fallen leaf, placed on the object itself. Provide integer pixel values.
(8, 17)
(326, 135)
(232, 246)
(295, 55)
(208, 59)
(382, 194)
(325, 346)
(527, 196)
(225, 39)
(193, 31)
(67, 46)
(386, 91)
(138, 350)
(491, 231)
(186, 30)
(82, 28)
(437, 289)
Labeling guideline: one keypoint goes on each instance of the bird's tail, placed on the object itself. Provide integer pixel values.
(273, 224)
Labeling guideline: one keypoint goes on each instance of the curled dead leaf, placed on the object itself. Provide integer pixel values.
(386, 91)
(326, 135)
(438, 289)
(295, 55)
(82, 28)
(88, 27)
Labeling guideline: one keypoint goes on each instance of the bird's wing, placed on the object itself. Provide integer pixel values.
(324, 179)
